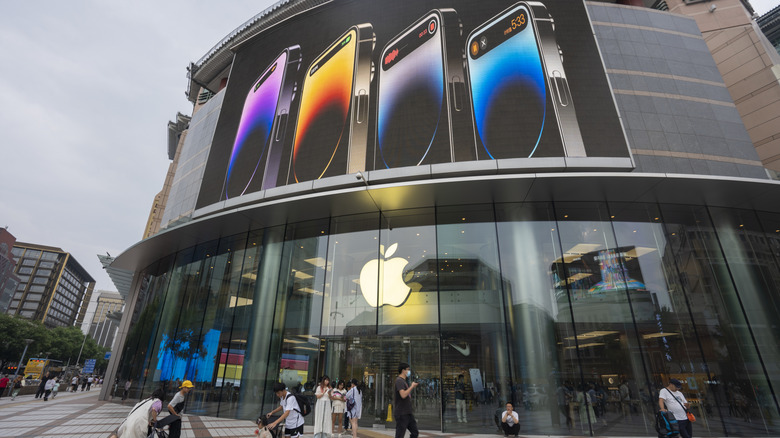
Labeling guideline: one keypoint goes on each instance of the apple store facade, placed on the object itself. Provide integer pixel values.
(572, 270)
(532, 301)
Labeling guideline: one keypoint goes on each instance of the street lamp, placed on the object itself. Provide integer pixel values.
(81, 349)
(27, 344)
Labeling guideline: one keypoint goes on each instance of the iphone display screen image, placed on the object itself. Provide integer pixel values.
(323, 134)
(412, 119)
(514, 115)
(248, 157)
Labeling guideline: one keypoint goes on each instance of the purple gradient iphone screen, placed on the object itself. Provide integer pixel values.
(250, 148)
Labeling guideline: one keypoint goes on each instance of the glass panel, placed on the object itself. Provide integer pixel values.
(237, 299)
(473, 325)
(668, 335)
(754, 271)
(736, 376)
(299, 299)
(348, 308)
(209, 326)
(407, 295)
(257, 326)
(529, 249)
(375, 361)
(159, 371)
(601, 293)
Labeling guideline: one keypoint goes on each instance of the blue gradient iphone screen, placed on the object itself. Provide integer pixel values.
(513, 114)
(250, 148)
(412, 123)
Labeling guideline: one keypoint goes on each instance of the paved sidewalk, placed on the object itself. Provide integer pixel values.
(82, 415)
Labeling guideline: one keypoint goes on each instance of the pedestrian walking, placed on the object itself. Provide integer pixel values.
(47, 387)
(3, 384)
(127, 389)
(323, 419)
(671, 399)
(56, 389)
(42, 386)
(17, 386)
(402, 401)
(90, 381)
(74, 383)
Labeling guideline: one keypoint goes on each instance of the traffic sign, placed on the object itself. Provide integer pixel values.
(89, 366)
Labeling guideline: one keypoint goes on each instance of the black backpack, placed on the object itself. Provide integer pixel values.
(304, 407)
(666, 425)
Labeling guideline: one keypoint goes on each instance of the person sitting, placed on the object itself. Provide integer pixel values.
(510, 421)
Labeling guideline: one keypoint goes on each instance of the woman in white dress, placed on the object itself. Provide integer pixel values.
(337, 399)
(144, 414)
(323, 421)
(354, 395)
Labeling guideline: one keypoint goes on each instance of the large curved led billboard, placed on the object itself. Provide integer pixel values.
(375, 84)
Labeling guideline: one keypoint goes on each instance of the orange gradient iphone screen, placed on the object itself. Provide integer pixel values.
(323, 130)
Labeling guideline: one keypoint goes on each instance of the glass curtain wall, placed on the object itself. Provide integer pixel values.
(577, 313)
(542, 379)
(472, 315)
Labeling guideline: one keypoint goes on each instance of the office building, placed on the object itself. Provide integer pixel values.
(8, 280)
(53, 287)
(103, 326)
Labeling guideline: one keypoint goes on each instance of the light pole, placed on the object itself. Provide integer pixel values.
(27, 343)
(81, 349)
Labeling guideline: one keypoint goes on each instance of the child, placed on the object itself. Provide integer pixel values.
(56, 388)
(263, 431)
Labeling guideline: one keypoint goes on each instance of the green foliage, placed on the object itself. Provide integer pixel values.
(62, 343)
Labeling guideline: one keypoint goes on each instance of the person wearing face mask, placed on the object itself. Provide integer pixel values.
(402, 403)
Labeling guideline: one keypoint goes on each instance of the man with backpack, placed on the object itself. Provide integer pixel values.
(293, 411)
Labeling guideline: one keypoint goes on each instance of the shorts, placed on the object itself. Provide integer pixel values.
(297, 431)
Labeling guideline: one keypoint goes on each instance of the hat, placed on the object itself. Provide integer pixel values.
(675, 382)
(186, 384)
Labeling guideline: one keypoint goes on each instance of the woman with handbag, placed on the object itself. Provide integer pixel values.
(671, 399)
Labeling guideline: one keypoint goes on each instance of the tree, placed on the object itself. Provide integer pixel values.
(62, 343)
(14, 331)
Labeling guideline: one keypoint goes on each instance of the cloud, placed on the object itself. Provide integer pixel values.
(88, 88)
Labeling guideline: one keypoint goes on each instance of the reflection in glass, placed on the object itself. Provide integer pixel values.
(473, 326)
(597, 290)
(578, 313)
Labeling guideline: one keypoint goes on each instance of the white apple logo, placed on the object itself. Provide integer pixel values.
(387, 275)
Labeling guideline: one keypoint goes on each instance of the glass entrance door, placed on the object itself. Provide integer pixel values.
(374, 362)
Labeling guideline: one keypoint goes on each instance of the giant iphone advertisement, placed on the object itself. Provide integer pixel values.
(356, 85)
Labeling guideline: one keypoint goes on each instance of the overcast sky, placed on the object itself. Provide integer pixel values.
(86, 91)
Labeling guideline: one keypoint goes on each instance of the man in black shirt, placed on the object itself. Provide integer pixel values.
(402, 403)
